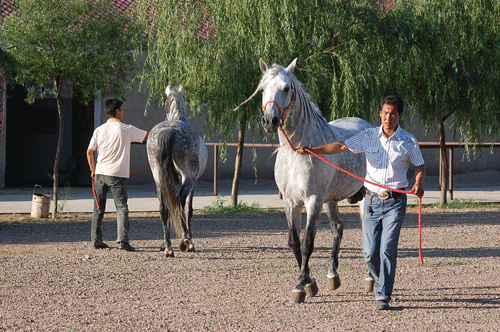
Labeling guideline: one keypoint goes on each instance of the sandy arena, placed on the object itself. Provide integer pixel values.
(241, 276)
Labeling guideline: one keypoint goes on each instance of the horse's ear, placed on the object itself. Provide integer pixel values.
(263, 66)
(291, 66)
(168, 90)
(180, 89)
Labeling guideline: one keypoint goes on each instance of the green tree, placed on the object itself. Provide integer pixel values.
(212, 48)
(438, 55)
(447, 51)
(84, 44)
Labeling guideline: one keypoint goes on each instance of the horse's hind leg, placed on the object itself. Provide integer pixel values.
(186, 199)
(337, 226)
(164, 213)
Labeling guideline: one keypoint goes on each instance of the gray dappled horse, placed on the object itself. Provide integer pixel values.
(304, 180)
(177, 155)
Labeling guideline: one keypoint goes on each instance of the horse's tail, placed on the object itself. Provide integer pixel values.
(167, 177)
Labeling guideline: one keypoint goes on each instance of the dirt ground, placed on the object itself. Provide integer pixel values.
(241, 276)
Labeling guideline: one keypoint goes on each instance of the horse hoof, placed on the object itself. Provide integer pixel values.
(182, 246)
(333, 283)
(368, 284)
(312, 288)
(169, 253)
(298, 296)
(191, 248)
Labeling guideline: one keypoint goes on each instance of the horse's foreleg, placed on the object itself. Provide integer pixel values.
(294, 219)
(306, 284)
(307, 245)
(337, 226)
(186, 200)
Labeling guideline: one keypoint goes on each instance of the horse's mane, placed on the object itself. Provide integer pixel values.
(179, 112)
(312, 115)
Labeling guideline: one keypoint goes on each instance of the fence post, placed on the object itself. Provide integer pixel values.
(216, 166)
(450, 172)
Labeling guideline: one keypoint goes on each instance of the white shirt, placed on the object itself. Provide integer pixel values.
(112, 142)
(387, 159)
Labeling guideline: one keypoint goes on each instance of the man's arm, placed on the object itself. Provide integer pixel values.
(90, 159)
(330, 148)
(418, 187)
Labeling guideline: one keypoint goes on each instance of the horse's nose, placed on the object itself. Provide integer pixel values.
(270, 125)
(275, 121)
(264, 122)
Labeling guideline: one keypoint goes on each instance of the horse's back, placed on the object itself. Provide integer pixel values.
(187, 149)
(349, 126)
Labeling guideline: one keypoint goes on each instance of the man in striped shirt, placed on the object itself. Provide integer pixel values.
(389, 150)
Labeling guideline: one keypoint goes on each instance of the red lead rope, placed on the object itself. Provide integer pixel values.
(93, 184)
(375, 184)
(95, 195)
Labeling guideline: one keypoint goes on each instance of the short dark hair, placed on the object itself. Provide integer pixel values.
(111, 105)
(394, 100)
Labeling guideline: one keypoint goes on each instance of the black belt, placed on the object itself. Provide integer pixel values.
(383, 195)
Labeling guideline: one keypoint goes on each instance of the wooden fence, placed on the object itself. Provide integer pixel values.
(423, 145)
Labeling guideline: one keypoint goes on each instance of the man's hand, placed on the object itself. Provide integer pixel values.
(419, 180)
(302, 150)
(419, 191)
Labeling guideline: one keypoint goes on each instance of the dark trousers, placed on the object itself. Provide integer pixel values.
(118, 187)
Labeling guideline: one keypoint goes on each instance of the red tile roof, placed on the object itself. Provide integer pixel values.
(206, 28)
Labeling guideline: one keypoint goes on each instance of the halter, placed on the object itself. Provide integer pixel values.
(285, 111)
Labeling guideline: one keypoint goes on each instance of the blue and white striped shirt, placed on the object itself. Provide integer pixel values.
(387, 159)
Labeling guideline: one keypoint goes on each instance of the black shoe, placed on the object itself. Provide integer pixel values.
(382, 305)
(125, 246)
(101, 246)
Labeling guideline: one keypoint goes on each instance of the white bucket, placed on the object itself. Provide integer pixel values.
(40, 206)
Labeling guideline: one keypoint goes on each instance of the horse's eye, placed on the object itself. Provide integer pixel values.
(286, 89)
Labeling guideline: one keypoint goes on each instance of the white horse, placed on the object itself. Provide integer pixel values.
(177, 155)
(305, 180)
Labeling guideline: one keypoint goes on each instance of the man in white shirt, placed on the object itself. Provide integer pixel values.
(389, 150)
(112, 142)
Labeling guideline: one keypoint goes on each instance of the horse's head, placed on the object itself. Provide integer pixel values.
(175, 107)
(278, 94)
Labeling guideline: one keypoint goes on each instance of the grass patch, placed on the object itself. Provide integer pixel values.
(459, 204)
(219, 207)
(457, 263)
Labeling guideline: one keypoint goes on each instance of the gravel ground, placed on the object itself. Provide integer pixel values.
(241, 276)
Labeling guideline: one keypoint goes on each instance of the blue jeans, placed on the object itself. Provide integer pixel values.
(382, 221)
(118, 187)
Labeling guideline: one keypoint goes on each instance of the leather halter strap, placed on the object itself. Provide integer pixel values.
(283, 112)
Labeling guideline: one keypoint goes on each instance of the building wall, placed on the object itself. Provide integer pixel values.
(3, 129)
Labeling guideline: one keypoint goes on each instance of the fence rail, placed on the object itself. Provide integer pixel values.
(450, 146)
